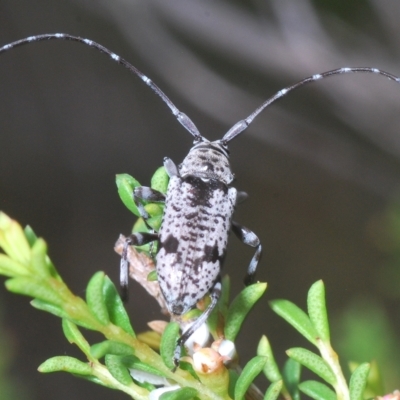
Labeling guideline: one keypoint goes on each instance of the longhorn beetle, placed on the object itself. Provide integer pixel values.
(199, 203)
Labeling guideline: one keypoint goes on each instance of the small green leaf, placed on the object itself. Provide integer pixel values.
(39, 260)
(375, 381)
(271, 369)
(126, 184)
(240, 307)
(249, 373)
(151, 338)
(233, 378)
(13, 240)
(30, 235)
(59, 312)
(51, 308)
(99, 350)
(11, 268)
(115, 307)
(313, 362)
(95, 298)
(180, 394)
(358, 381)
(296, 317)
(34, 287)
(152, 276)
(67, 364)
(117, 369)
(291, 373)
(133, 362)
(187, 366)
(168, 344)
(155, 212)
(140, 226)
(273, 390)
(160, 180)
(317, 390)
(73, 335)
(317, 310)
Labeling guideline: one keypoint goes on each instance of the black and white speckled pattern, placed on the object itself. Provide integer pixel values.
(194, 232)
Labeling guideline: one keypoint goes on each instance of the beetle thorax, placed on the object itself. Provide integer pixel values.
(208, 160)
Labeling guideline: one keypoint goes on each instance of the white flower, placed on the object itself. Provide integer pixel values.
(226, 348)
(199, 338)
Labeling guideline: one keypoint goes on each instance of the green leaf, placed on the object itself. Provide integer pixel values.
(180, 394)
(126, 184)
(296, 317)
(168, 344)
(249, 373)
(271, 369)
(151, 338)
(133, 362)
(117, 369)
(95, 298)
(160, 180)
(313, 362)
(291, 373)
(152, 276)
(375, 381)
(273, 390)
(34, 287)
(317, 310)
(67, 364)
(358, 381)
(48, 307)
(45, 265)
(74, 336)
(317, 390)
(59, 312)
(240, 307)
(13, 240)
(99, 350)
(11, 268)
(115, 307)
(187, 366)
(30, 235)
(233, 378)
(155, 212)
(39, 260)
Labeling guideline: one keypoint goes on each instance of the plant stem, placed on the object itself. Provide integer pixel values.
(332, 359)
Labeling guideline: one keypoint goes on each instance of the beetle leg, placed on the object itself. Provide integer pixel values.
(135, 239)
(250, 238)
(148, 194)
(241, 197)
(215, 294)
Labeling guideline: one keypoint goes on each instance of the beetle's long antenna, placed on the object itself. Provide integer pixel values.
(240, 126)
(180, 116)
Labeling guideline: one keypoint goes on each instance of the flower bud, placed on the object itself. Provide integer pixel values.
(210, 368)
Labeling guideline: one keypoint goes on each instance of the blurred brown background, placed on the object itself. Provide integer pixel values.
(321, 166)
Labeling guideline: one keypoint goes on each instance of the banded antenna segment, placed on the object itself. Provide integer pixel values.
(183, 119)
(240, 126)
(180, 116)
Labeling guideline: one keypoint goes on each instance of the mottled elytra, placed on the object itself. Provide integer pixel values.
(199, 203)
